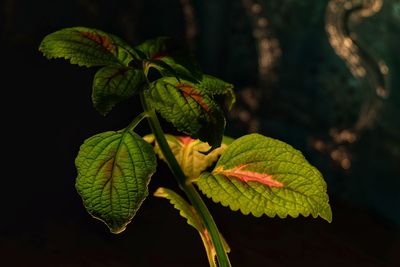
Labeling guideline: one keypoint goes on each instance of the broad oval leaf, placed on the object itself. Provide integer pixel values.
(113, 84)
(87, 47)
(189, 153)
(193, 219)
(261, 175)
(114, 169)
(190, 110)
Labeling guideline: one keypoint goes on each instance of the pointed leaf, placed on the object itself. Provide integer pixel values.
(191, 111)
(193, 219)
(113, 84)
(114, 169)
(162, 67)
(87, 47)
(155, 48)
(177, 61)
(188, 153)
(215, 86)
(183, 66)
(185, 209)
(261, 175)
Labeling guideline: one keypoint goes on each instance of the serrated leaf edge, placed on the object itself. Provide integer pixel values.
(122, 228)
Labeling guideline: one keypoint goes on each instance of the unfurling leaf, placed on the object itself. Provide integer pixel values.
(188, 153)
(215, 86)
(114, 169)
(190, 110)
(155, 48)
(261, 175)
(161, 66)
(193, 219)
(169, 59)
(87, 47)
(113, 84)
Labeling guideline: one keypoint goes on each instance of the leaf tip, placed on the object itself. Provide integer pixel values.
(149, 138)
(117, 230)
(326, 214)
(160, 192)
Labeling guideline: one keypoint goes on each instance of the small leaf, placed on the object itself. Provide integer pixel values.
(87, 47)
(191, 111)
(113, 84)
(261, 175)
(162, 67)
(193, 219)
(215, 86)
(188, 153)
(114, 169)
(186, 210)
(177, 61)
(155, 48)
(183, 66)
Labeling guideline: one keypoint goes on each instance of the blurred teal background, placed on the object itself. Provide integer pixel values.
(290, 84)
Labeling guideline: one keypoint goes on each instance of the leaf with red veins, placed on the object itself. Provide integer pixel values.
(248, 176)
(189, 91)
(102, 40)
(261, 175)
(88, 47)
(114, 170)
(192, 111)
(114, 84)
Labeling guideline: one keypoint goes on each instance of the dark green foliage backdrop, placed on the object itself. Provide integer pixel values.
(48, 113)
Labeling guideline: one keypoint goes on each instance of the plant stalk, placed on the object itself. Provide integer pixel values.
(137, 120)
(190, 191)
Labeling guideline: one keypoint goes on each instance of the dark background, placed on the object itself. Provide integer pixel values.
(47, 113)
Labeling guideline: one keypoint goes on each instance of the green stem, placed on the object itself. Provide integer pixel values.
(190, 191)
(137, 120)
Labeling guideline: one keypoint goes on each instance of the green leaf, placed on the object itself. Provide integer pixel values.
(113, 84)
(193, 219)
(188, 153)
(114, 169)
(226, 140)
(190, 110)
(215, 86)
(186, 210)
(261, 175)
(162, 67)
(155, 48)
(175, 60)
(184, 67)
(87, 47)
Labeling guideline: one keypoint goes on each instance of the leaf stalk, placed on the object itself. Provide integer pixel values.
(137, 120)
